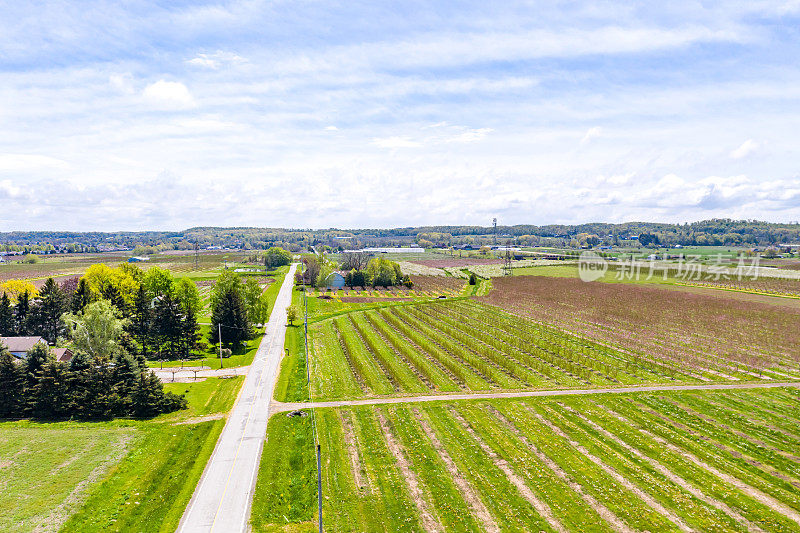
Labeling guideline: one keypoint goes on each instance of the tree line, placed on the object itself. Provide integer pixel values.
(86, 388)
(360, 271)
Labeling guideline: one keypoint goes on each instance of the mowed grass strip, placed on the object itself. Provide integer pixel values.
(767, 468)
(694, 512)
(210, 396)
(465, 377)
(150, 488)
(46, 469)
(508, 508)
(286, 490)
(392, 508)
(440, 490)
(489, 374)
(292, 384)
(702, 479)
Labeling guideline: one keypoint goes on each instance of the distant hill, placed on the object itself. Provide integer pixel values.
(715, 232)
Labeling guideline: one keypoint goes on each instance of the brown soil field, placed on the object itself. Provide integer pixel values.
(680, 325)
(456, 262)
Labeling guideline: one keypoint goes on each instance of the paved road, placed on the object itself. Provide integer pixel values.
(221, 501)
(278, 407)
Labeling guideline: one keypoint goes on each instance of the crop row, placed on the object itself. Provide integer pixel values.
(709, 337)
(463, 345)
(602, 463)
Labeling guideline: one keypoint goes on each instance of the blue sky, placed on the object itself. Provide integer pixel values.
(165, 115)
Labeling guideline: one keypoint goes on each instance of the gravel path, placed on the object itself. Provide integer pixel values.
(277, 407)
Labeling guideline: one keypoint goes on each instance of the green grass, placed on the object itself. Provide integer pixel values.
(150, 488)
(563, 449)
(242, 356)
(282, 499)
(42, 464)
(123, 475)
(214, 395)
(292, 382)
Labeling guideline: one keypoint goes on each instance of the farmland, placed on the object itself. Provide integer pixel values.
(122, 475)
(468, 346)
(406, 445)
(730, 338)
(667, 461)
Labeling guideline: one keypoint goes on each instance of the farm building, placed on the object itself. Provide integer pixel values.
(20, 346)
(335, 280)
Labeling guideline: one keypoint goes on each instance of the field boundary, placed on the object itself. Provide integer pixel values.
(279, 407)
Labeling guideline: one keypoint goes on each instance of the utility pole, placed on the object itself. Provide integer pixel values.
(219, 337)
(196, 255)
(494, 224)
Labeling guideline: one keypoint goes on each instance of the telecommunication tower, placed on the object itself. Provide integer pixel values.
(494, 223)
(507, 260)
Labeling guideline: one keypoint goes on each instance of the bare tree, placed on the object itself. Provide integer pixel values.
(355, 260)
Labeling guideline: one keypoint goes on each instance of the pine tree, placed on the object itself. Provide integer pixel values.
(12, 386)
(111, 293)
(45, 315)
(37, 359)
(190, 332)
(230, 313)
(6, 316)
(142, 321)
(126, 377)
(82, 297)
(168, 320)
(21, 311)
(50, 398)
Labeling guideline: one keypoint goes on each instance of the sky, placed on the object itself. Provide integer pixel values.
(314, 114)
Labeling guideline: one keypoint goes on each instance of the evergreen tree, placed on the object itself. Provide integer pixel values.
(149, 398)
(6, 316)
(190, 333)
(21, 311)
(229, 312)
(126, 377)
(142, 321)
(37, 359)
(111, 293)
(12, 386)
(45, 315)
(82, 297)
(168, 320)
(50, 397)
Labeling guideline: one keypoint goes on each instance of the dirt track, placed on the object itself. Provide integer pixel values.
(278, 407)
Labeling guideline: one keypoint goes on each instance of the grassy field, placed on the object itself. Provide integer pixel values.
(688, 461)
(124, 475)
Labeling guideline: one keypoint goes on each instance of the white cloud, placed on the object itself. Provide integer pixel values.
(8, 189)
(29, 162)
(170, 94)
(591, 133)
(469, 136)
(216, 60)
(122, 82)
(745, 149)
(395, 142)
(331, 128)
